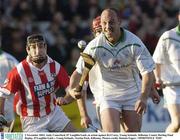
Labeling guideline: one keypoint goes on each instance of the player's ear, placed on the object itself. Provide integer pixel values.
(27, 48)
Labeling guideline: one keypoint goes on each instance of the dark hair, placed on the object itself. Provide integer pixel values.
(35, 38)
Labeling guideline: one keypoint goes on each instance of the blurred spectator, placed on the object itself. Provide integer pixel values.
(93, 9)
(72, 34)
(64, 22)
(170, 8)
(71, 9)
(60, 51)
(41, 10)
(148, 7)
(71, 64)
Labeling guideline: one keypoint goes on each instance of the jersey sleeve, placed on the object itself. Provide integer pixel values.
(63, 78)
(143, 58)
(11, 84)
(88, 50)
(160, 51)
(80, 65)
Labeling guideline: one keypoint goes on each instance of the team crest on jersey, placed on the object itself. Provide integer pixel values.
(117, 62)
(53, 75)
(30, 80)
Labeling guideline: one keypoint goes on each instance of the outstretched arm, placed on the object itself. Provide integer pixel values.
(157, 73)
(147, 82)
(74, 81)
(154, 94)
(67, 99)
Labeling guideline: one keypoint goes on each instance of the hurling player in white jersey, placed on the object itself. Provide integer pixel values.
(35, 80)
(93, 76)
(167, 59)
(75, 77)
(120, 56)
(7, 62)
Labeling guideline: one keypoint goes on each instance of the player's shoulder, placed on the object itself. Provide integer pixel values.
(131, 38)
(169, 34)
(98, 38)
(97, 41)
(14, 72)
(56, 64)
(9, 57)
(52, 61)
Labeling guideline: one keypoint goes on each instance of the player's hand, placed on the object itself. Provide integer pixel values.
(85, 121)
(61, 101)
(140, 106)
(155, 96)
(159, 84)
(75, 94)
(3, 122)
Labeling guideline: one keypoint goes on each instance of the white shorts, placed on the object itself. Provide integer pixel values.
(56, 121)
(118, 105)
(8, 109)
(172, 95)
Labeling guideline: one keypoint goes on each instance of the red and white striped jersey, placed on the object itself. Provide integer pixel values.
(35, 87)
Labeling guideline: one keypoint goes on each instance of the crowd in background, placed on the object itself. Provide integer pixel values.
(65, 22)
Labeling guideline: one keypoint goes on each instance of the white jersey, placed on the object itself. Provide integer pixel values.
(117, 67)
(7, 62)
(93, 77)
(36, 87)
(167, 53)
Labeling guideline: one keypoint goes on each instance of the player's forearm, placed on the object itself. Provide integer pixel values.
(157, 72)
(68, 98)
(74, 80)
(147, 83)
(82, 106)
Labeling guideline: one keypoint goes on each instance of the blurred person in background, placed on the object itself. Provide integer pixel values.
(7, 62)
(167, 59)
(76, 75)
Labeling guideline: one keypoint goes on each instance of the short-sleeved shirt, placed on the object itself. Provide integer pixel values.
(7, 62)
(35, 87)
(118, 66)
(167, 53)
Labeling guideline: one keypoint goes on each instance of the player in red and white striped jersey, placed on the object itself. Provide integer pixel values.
(36, 79)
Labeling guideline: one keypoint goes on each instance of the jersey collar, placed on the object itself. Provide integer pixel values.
(121, 38)
(178, 30)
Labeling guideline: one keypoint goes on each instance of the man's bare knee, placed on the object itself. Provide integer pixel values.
(133, 129)
(175, 126)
